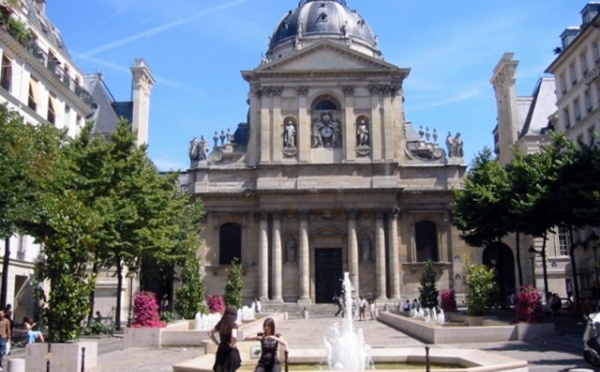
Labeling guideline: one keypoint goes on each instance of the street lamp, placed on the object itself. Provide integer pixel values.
(131, 276)
(593, 243)
(532, 252)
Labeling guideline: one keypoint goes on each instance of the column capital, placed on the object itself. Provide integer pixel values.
(352, 213)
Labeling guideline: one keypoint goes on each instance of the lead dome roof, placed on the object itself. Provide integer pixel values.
(314, 20)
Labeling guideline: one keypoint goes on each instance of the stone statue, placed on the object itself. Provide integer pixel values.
(457, 146)
(216, 138)
(193, 151)
(202, 148)
(449, 145)
(290, 250)
(365, 247)
(317, 140)
(362, 133)
(289, 134)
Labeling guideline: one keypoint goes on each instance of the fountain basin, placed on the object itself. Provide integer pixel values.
(469, 360)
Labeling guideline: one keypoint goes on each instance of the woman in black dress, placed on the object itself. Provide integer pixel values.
(269, 342)
(228, 356)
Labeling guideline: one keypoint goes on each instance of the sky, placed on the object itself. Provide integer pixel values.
(196, 50)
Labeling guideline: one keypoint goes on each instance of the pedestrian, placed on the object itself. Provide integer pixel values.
(340, 305)
(5, 335)
(32, 336)
(361, 309)
(269, 343)
(228, 357)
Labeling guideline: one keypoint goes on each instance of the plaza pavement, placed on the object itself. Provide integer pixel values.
(561, 352)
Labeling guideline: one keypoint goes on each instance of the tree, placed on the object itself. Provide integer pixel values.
(26, 156)
(234, 285)
(429, 293)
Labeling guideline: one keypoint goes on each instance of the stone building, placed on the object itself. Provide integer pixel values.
(327, 176)
(39, 79)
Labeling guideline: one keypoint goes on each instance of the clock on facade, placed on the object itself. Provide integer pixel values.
(326, 132)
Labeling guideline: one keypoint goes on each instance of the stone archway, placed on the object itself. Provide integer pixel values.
(501, 258)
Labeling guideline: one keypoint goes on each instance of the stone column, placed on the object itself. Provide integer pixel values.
(376, 122)
(263, 258)
(349, 122)
(265, 124)
(304, 259)
(276, 124)
(380, 257)
(353, 250)
(394, 259)
(277, 262)
(304, 125)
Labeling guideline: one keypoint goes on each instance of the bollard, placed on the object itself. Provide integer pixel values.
(83, 359)
(427, 366)
(304, 313)
(16, 365)
(48, 357)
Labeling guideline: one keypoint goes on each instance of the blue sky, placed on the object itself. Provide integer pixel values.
(197, 48)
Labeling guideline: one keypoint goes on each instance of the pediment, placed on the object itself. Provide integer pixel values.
(326, 56)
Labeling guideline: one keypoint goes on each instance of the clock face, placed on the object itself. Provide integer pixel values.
(326, 132)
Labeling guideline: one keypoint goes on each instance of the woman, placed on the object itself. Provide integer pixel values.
(269, 342)
(228, 356)
(32, 336)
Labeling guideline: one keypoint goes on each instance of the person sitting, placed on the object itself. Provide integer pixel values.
(32, 336)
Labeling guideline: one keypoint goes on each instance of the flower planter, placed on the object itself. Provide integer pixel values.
(532, 331)
(63, 357)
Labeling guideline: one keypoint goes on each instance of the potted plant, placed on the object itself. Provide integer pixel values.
(530, 315)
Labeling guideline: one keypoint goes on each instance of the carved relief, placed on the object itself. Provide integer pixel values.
(326, 132)
(302, 90)
(348, 90)
(383, 89)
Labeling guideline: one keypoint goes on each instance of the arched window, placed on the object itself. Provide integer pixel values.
(230, 243)
(326, 104)
(426, 239)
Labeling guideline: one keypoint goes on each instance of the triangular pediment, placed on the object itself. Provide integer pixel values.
(326, 56)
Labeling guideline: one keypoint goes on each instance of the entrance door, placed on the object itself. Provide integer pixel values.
(328, 274)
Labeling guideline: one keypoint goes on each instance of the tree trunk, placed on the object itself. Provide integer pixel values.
(93, 292)
(501, 273)
(5, 272)
(519, 268)
(119, 288)
(545, 269)
(573, 268)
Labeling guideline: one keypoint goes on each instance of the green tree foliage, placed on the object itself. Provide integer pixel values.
(234, 285)
(482, 288)
(428, 291)
(190, 296)
(480, 209)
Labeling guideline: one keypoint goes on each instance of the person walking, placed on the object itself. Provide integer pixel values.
(5, 335)
(228, 357)
(269, 343)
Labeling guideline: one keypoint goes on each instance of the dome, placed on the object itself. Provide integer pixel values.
(315, 20)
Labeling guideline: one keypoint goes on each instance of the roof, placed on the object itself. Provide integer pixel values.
(107, 112)
(535, 110)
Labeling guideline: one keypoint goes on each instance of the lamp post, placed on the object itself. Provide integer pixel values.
(593, 243)
(532, 252)
(131, 276)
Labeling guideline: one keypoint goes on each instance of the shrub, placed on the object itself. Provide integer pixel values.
(448, 300)
(145, 310)
(234, 285)
(428, 291)
(529, 307)
(190, 296)
(216, 304)
(481, 288)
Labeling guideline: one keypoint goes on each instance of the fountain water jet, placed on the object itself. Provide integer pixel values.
(346, 349)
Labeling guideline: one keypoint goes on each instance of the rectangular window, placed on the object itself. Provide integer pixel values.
(588, 100)
(596, 51)
(563, 241)
(563, 82)
(567, 118)
(591, 136)
(34, 92)
(584, 62)
(51, 110)
(6, 73)
(577, 109)
(573, 72)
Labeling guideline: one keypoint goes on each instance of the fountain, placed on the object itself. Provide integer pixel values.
(346, 349)
(205, 322)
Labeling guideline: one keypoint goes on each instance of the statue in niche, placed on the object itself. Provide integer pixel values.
(317, 140)
(326, 132)
(362, 133)
(365, 248)
(289, 134)
(290, 251)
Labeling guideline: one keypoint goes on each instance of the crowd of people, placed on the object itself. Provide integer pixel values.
(360, 303)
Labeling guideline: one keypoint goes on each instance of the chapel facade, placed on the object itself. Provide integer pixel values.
(326, 175)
